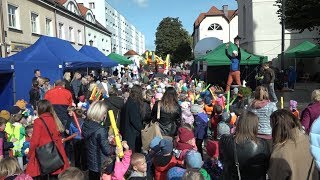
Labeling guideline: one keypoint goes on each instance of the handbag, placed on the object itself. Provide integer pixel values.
(48, 155)
(151, 131)
(236, 158)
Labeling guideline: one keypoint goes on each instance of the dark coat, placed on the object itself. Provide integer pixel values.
(131, 124)
(6, 146)
(168, 122)
(41, 137)
(253, 158)
(34, 95)
(201, 126)
(309, 115)
(97, 144)
(115, 104)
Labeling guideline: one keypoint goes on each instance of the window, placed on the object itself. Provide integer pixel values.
(89, 18)
(72, 7)
(71, 34)
(48, 27)
(79, 37)
(61, 31)
(34, 23)
(214, 26)
(13, 15)
(91, 5)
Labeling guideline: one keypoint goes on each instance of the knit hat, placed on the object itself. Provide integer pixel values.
(226, 117)
(208, 100)
(158, 95)
(166, 146)
(21, 104)
(196, 109)
(155, 141)
(185, 134)
(185, 105)
(293, 105)
(175, 173)
(193, 159)
(212, 148)
(199, 101)
(14, 110)
(5, 114)
(222, 129)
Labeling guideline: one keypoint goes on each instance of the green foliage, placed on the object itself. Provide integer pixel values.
(300, 14)
(172, 38)
(245, 91)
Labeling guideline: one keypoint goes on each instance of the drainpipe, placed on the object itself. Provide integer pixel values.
(55, 19)
(84, 31)
(3, 37)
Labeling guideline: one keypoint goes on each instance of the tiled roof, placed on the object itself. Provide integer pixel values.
(131, 53)
(83, 9)
(213, 11)
(61, 1)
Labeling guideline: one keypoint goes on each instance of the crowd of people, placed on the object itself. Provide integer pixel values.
(201, 134)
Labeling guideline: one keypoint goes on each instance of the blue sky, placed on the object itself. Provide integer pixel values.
(146, 14)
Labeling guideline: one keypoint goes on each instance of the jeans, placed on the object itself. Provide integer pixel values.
(272, 94)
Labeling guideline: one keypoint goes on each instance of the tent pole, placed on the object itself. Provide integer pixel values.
(14, 87)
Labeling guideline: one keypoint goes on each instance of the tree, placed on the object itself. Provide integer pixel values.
(172, 38)
(300, 14)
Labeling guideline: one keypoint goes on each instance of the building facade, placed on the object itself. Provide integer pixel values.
(260, 29)
(220, 24)
(24, 21)
(125, 36)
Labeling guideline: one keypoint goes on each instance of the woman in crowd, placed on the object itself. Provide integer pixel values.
(170, 112)
(41, 137)
(263, 108)
(67, 81)
(76, 83)
(96, 138)
(114, 103)
(291, 157)
(253, 153)
(312, 112)
(131, 119)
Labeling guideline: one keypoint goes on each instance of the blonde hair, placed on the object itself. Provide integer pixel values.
(136, 158)
(67, 76)
(315, 96)
(92, 86)
(261, 93)
(72, 173)
(9, 166)
(97, 110)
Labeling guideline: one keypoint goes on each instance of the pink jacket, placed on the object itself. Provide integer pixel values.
(120, 168)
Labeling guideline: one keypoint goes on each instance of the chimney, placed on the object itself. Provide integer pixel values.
(225, 10)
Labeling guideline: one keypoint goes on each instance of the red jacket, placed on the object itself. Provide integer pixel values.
(41, 137)
(59, 96)
(161, 171)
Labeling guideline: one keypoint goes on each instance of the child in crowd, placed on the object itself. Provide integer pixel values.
(139, 166)
(5, 146)
(115, 169)
(26, 144)
(78, 141)
(164, 160)
(16, 133)
(216, 118)
(10, 169)
(192, 174)
(184, 141)
(200, 128)
(186, 115)
(193, 160)
(212, 165)
(208, 107)
(223, 127)
(294, 109)
(72, 173)
(5, 114)
(34, 94)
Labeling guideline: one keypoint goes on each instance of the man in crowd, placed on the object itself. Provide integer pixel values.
(37, 74)
(268, 81)
(234, 74)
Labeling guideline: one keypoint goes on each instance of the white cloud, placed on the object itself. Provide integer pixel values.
(141, 3)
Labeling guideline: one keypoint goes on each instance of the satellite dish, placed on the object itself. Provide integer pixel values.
(206, 45)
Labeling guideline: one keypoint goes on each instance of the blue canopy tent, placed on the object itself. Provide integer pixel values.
(52, 56)
(95, 54)
(6, 84)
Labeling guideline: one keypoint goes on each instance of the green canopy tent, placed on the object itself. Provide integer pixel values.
(311, 53)
(218, 57)
(300, 50)
(120, 59)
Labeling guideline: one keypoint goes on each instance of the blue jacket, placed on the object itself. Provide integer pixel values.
(201, 125)
(73, 129)
(25, 146)
(235, 61)
(315, 141)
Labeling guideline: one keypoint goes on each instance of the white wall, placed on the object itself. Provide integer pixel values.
(100, 40)
(234, 30)
(263, 29)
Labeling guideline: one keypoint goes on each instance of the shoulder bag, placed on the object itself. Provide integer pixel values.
(150, 131)
(48, 155)
(236, 158)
